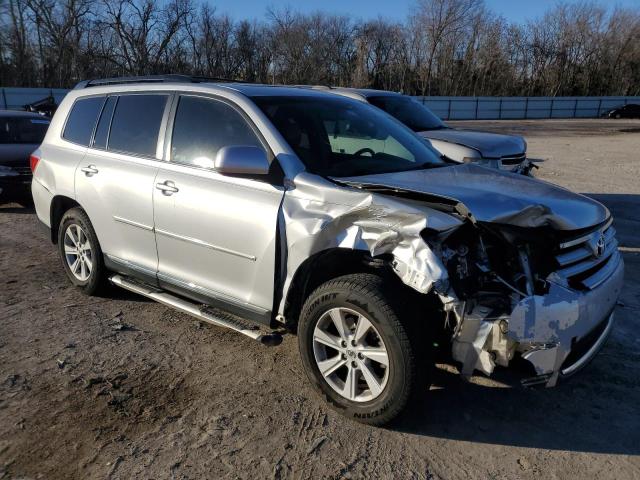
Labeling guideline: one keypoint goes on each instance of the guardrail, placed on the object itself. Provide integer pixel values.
(496, 108)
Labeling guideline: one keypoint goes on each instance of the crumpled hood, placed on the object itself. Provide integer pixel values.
(16, 154)
(490, 145)
(494, 196)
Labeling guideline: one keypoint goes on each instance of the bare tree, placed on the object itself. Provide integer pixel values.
(441, 21)
(454, 47)
(143, 32)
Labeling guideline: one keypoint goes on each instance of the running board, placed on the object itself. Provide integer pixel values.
(204, 313)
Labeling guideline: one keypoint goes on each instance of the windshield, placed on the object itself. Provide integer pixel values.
(340, 137)
(409, 111)
(22, 130)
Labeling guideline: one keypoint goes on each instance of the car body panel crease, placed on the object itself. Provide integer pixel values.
(495, 196)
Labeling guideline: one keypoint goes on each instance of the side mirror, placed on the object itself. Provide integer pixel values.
(241, 160)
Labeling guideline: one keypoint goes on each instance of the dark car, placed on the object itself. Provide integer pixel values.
(20, 134)
(630, 110)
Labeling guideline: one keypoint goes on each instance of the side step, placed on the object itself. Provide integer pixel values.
(204, 313)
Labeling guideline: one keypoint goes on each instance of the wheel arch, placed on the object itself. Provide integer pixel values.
(327, 265)
(60, 204)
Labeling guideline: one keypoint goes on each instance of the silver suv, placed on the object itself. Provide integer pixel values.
(260, 208)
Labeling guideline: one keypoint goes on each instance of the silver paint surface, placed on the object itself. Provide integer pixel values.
(496, 196)
(488, 145)
(118, 200)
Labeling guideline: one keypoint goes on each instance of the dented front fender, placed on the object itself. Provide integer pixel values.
(318, 215)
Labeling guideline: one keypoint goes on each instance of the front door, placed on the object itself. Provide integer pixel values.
(216, 235)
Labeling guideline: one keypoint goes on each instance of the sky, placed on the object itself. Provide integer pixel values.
(513, 10)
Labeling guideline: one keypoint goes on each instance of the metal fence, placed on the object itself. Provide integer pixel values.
(447, 108)
(495, 108)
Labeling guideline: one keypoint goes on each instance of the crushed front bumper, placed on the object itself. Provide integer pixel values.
(557, 333)
(560, 332)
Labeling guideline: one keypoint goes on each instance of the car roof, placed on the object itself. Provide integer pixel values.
(245, 89)
(170, 82)
(368, 92)
(20, 114)
(259, 90)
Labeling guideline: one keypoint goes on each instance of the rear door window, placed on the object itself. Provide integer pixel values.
(203, 126)
(136, 124)
(82, 120)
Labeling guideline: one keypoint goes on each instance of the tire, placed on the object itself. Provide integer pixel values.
(75, 224)
(350, 299)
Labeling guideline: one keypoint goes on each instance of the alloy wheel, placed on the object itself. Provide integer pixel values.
(350, 354)
(77, 252)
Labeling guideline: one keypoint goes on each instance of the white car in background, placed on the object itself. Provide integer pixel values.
(507, 152)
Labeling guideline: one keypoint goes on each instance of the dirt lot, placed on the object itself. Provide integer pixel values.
(118, 387)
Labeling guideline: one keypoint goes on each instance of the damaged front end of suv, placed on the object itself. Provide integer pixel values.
(520, 267)
(531, 291)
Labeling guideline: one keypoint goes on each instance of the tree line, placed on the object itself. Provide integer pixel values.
(445, 47)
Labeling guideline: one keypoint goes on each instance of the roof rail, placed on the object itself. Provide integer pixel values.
(315, 87)
(153, 79)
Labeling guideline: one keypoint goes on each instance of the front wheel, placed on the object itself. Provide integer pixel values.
(355, 349)
(80, 251)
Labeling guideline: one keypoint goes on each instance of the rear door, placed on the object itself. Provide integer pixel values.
(215, 234)
(115, 180)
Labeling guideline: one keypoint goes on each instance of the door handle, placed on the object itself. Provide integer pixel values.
(167, 187)
(89, 170)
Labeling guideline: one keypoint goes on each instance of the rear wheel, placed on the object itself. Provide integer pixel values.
(80, 251)
(355, 348)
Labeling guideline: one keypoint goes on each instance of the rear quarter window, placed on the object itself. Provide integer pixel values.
(136, 124)
(82, 120)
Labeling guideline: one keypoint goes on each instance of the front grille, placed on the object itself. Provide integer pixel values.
(513, 159)
(589, 259)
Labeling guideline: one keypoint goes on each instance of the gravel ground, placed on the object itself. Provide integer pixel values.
(118, 387)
